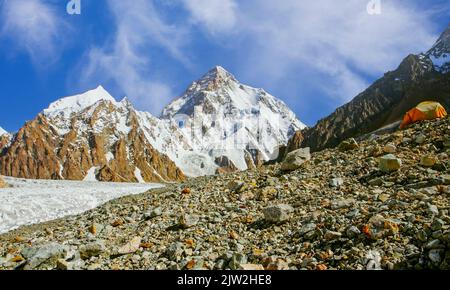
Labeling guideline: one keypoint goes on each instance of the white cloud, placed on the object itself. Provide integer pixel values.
(217, 15)
(126, 59)
(338, 39)
(34, 27)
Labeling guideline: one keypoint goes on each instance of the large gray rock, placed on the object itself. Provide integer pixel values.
(278, 213)
(93, 249)
(295, 159)
(43, 257)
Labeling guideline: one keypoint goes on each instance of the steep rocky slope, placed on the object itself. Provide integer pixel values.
(90, 137)
(418, 78)
(356, 207)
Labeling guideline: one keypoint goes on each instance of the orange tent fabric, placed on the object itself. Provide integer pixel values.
(424, 111)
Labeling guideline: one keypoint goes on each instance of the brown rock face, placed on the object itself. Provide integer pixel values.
(225, 165)
(383, 103)
(2, 183)
(4, 142)
(40, 151)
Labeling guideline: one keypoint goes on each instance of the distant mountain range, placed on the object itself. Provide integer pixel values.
(218, 125)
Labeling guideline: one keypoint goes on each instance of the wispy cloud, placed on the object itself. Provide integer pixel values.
(127, 58)
(217, 15)
(34, 27)
(337, 39)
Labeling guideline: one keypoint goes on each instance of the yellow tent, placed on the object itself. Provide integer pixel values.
(424, 111)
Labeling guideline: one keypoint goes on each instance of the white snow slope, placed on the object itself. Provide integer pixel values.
(2, 131)
(28, 201)
(440, 52)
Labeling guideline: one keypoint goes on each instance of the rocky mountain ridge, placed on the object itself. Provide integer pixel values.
(87, 137)
(423, 77)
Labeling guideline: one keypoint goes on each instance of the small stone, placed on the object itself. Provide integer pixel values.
(130, 247)
(307, 228)
(294, 160)
(428, 161)
(188, 220)
(117, 223)
(336, 182)
(376, 182)
(383, 197)
(267, 193)
(432, 209)
(353, 232)
(275, 264)
(434, 244)
(277, 213)
(237, 260)
(390, 149)
(235, 185)
(446, 179)
(437, 224)
(435, 256)
(186, 191)
(389, 163)
(251, 267)
(156, 212)
(174, 251)
(68, 266)
(330, 235)
(420, 139)
(346, 203)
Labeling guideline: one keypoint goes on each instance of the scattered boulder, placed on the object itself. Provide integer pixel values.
(278, 213)
(275, 264)
(295, 159)
(235, 185)
(237, 260)
(428, 161)
(330, 235)
(251, 267)
(43, 257)
(174, 251)
(155, 212)
(336, 182)
(188, 220)
(130, 247)
(348, 145)
(93, 249)
(389, 163)
(390, 149)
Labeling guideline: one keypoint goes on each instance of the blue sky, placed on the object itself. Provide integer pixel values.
(314, 55)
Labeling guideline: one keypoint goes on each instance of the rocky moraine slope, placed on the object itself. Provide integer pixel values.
(379, 204)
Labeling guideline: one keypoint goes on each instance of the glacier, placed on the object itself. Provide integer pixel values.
(29, 201)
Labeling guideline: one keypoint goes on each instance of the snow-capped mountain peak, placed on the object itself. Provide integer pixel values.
(440, 52)
(3, 131)
(77, 103)
(223, 118)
